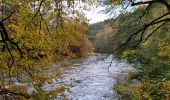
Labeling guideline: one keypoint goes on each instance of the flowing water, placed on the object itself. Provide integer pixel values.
(91, 78)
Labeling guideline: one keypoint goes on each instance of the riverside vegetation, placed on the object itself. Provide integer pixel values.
(35, 34)
(151, 58)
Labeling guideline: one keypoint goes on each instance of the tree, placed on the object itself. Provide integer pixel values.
(35, 34)
(160, 21)
(150, 52)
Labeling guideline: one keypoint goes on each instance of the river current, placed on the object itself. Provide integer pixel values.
(92, 78)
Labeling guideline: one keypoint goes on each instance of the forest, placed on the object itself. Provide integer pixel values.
(42, 40)
(148, 49)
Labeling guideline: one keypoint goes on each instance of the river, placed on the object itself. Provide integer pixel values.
(91, 78)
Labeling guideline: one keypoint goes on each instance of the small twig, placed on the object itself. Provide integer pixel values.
(38, 11)
(47, 27)
(18, 48)
(9, 64)
(8, 16)
(145, 12)
(110, 64)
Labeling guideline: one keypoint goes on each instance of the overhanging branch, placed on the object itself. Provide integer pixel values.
(154, 32)
(5, 39)
(142, 30)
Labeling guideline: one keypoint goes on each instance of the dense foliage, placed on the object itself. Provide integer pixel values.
(40, 33)
(152, 61)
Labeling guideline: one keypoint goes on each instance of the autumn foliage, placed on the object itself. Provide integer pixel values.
(41, 41)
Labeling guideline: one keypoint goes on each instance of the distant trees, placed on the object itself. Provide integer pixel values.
(94, 28)
(99, 34)
(120, 28)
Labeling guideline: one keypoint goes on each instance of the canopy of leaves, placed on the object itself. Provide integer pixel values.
(35, 34)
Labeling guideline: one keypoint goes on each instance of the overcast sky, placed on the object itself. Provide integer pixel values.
(95, 15)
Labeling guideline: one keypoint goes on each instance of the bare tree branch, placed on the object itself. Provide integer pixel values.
(142, 30)
(8, 16)
(145, 12)
(46, 26)
(5, 39)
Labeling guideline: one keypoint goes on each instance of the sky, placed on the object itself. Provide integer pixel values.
(95, 15)
(93, 12)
